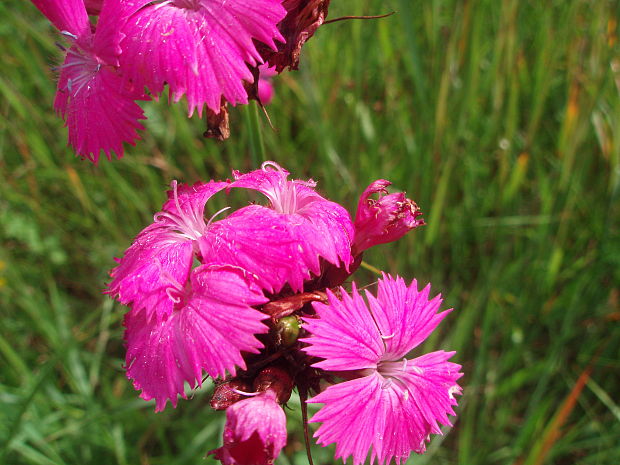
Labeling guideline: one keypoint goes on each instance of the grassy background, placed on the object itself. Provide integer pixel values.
(501, 118)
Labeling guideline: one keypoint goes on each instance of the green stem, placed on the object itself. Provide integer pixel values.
(257, 147)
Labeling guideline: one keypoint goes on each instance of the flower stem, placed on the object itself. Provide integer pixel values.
(257, 147)
(371, 268)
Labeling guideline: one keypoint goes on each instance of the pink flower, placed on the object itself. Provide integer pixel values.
(175, 324)
(385, 219)
(211, 323)
(404, 400)
(255, 431)
(161, 255)
(283, 243)
(97, 105)
(200, 48)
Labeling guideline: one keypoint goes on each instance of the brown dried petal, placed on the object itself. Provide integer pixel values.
(303, 18)
(225, 394)
(217, 123)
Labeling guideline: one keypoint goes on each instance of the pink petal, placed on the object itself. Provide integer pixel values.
(351, 334)
(255, 432)
(404, 315)
(404, 400)
(344, 334)
(265, 87)
(355, 426)
(190, 201)
(66, 15)
(208, 330)
(265, 91)
(199, 48)
(108, 35)
(260, 241)
(160, 258)
(158, 262)
(431, 381)
(285, 242)
(272, 181)
(396, 416)
(97, 105)
(278, 248)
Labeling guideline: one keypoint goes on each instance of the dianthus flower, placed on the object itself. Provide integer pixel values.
(254, 300)
(98, 106)
(200, 48)
(405, 400)
(385, 219)
(255, 430)
(178, 314)
(203, 49)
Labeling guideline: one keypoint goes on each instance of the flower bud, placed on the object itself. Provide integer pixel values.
(255, 431)
(288, 330)
(385, 219)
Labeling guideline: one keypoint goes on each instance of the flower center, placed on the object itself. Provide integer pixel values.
(284, 196)
(394, 373)
(80, 68)
(189, 224)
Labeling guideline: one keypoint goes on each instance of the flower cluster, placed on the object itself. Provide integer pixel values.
(256, 300)
(209, 51)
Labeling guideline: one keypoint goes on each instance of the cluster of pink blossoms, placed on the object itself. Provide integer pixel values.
(256, 301)
(210, 51)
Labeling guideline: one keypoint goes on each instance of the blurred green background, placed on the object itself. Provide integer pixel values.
(501, 118)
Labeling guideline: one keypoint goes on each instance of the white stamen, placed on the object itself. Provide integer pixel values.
(217, 213)
(68, 34)
(243, 393)
(189, 225)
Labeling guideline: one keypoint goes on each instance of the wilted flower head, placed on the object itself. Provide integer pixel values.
(405, 400)
(385, 219)
(303, 18)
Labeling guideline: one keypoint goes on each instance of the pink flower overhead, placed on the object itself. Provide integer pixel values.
(98, 106)
(211, 323)
(255, 431)
(161, 256)
(385, 219)
(283, 243)
(200, 48)
(405, 400)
